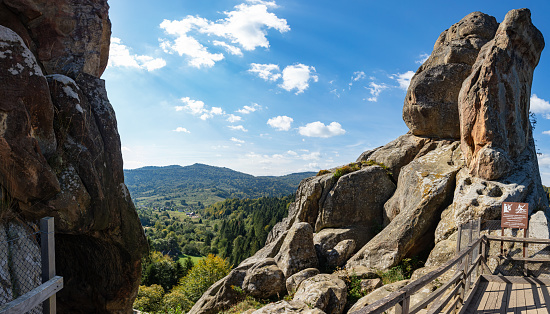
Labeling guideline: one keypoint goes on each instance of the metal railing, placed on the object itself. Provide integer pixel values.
(28, 283)
(471, 266)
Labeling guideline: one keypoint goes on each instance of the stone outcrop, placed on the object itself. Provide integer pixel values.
(60, 149)
(407, 198)
(264, 280)
(431, 103)
(423, 192)
(324, 292)
(288, 307)
(494, 99)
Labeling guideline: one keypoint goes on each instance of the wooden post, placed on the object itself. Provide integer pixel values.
(403, 306)
(48, 259)
(458, 240)
(525, 235)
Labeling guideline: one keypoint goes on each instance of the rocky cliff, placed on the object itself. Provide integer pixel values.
(60, 149)
(469, 148)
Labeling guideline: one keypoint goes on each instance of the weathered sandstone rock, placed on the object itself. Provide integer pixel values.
(401, 151)
(424, 189)
(67, 36)
(324, 292)
(494, 99)
(356, 199)
(60, 149)
(26, 123)
(338, 256)
(294, 281)
(288, 307)
(264, 280)
(431, 103)
(297, 252)
(369, 285)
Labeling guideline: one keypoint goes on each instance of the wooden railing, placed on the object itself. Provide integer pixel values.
(458, 291)
(46, 292)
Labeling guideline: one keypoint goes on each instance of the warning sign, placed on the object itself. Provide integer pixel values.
(514, 215)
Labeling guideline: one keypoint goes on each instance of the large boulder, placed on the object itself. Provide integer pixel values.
(424, 189)
(295, 280)
(264, 280)
(494, 99)
(357, 199)
(431, 103)
(377, 295)
(297, 252)
(288, 307)
(324, 292)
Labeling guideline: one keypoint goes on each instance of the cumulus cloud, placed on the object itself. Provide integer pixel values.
(311, 156)
(249, 109)
(318, 129)
(181, 129)
(298, 77)
(375, 90)
(120, 56)
(358, 75)
(281, 123)
(238, 128)
(233, 118)
(197, 107)
(404, 79)
(546, 132)
(268, 72)
(540, 106)
(245, 26)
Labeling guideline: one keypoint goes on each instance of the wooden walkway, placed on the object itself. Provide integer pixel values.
(510, 295)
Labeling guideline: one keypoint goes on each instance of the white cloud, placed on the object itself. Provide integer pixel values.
(311, 156)
(125, 149)
(375, 90)
(544, 160)
(269, 72)
(197, 107)
(238, 128)
(358, 75)
(233, 118)
(249, 109)
(194, 106)
(422, 58)
(281, 123)
(229, 48)
(236, 140)
(120, 56)
(298, 77)
(318, 129)
(546, 132)
(540, 106)
(181, 129)
(292, 153)
(246, 26)
(404, 79)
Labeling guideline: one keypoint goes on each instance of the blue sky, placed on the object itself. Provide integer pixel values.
(275, 87)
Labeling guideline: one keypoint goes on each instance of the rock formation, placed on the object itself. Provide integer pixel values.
(60, 149)
(469, 148)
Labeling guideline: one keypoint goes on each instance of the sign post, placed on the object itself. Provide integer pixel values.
(515, 215)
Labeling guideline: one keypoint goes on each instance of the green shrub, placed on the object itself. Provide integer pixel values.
(322, 172)
(374, 163)
(149, 298)
(402, 271)
(345, 170)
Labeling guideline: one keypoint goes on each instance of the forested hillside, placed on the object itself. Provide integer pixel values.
(197, 186)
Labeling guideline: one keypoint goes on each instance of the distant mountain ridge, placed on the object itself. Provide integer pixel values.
(203, 185)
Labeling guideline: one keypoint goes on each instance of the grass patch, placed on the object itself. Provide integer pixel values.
(374, 163)
(346, 169)
(195, 259)
(402, 271)
(247, 304)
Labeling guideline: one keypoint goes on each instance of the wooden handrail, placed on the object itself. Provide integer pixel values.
(397, 296)
(33, 298)
(522, 240)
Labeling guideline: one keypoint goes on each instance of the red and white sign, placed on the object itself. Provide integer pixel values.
(514, 215)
